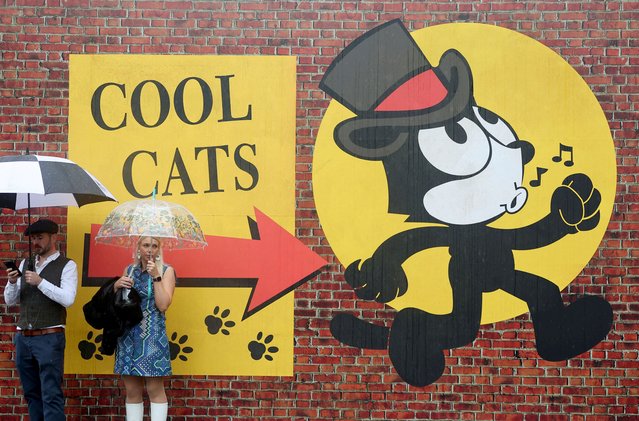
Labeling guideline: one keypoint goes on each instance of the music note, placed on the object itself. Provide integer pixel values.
(568, 150)
(537, 181)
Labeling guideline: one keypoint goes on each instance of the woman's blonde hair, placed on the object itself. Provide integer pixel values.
(159, 262)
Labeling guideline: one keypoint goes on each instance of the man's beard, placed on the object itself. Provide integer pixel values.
(42, 250)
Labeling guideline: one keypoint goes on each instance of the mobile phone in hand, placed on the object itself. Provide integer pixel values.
(10, 264)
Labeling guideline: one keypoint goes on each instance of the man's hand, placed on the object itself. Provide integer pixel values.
(32, 278)
(577, 203)
(12, 275)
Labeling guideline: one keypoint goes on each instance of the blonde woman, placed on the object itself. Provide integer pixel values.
(142, 356)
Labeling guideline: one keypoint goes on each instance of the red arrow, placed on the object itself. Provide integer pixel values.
(272, 263)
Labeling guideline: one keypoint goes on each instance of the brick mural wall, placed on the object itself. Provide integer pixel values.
(500, 376)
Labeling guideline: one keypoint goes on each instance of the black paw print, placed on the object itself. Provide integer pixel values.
(216, 323)
(87, 347)
(259, 348)
(176, 347)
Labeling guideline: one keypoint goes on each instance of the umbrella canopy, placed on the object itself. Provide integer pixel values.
(28, 181)
(34, 181)
(171, 222)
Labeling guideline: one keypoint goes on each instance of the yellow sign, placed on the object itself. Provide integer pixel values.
(216, 135)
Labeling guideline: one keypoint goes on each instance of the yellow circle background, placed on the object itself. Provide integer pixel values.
(544, 100)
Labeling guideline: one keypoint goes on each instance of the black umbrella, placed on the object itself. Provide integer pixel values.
(35, 181)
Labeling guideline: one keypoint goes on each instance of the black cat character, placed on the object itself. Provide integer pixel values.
(449, 161)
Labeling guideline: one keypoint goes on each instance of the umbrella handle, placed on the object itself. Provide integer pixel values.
(125, 291)
(30, 265)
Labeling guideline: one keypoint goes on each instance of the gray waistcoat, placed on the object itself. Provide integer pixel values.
(37, 311)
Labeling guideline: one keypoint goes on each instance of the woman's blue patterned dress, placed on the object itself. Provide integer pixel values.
(143, 350)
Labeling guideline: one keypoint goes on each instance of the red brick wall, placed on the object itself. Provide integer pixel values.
(493, 378)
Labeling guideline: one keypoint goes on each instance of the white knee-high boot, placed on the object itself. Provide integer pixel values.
(159, 411)
(134, 411)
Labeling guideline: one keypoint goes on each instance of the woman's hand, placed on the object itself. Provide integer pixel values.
(123, 282)
(152, 269)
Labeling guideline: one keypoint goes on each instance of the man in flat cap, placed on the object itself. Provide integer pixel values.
(44, 293)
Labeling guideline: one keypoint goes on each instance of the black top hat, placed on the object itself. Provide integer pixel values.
(386, 80)
(42, 226)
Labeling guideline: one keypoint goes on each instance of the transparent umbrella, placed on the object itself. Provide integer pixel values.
(171, 222)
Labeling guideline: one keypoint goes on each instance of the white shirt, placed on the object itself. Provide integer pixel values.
(63, 295)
